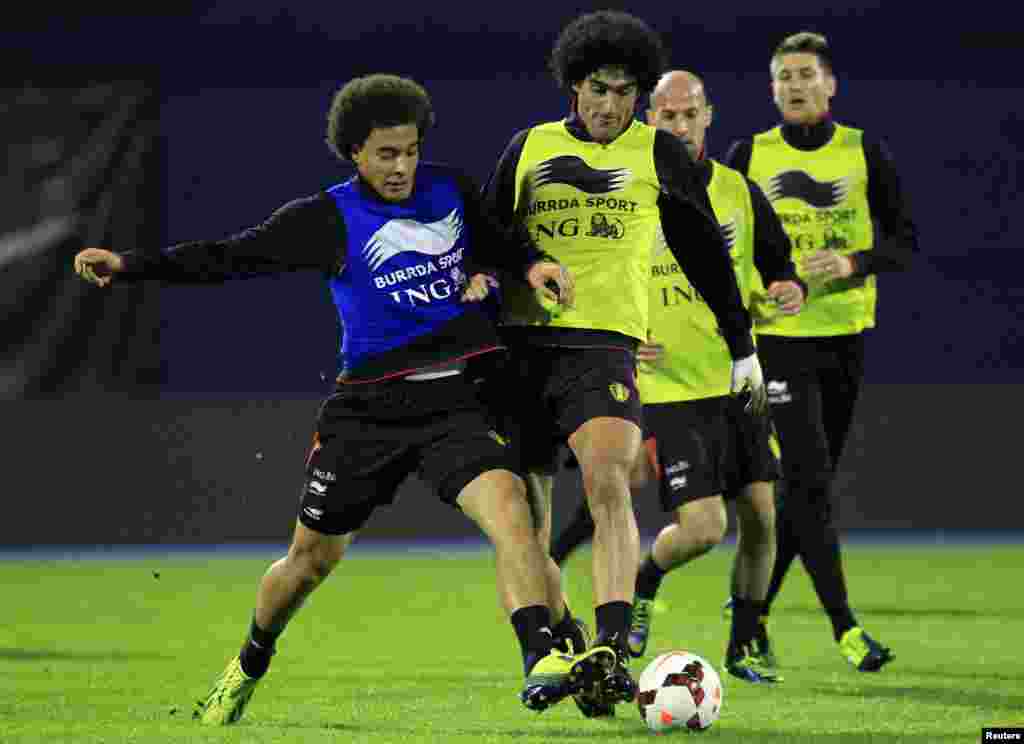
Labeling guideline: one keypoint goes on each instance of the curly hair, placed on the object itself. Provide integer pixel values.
(805, 42)
(608, 38)
(367, 103)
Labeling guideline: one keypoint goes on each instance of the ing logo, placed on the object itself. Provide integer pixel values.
(602, 227)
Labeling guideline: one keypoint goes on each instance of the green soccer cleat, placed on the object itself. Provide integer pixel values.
(226, 701)
(558, 675)
(640, 629)
(864, 652)
(743, 663)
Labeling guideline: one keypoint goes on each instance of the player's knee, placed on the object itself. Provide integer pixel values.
(507, 515)
(314, 563)
(705, 521)
(516, 518)
(755, 511)
(606, 482)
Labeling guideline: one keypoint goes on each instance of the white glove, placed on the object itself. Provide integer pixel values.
(747, 375)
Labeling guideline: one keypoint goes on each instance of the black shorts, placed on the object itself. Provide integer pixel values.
(707, 447)
(546, 393)
(813, 385)
(369, 438)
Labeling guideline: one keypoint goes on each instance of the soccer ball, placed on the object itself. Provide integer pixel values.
(679, 690)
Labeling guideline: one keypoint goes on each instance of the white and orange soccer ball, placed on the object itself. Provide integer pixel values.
(679, 690)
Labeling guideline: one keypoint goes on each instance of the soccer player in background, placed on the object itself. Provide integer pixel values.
(839, 197)
(593, 190)
(702, 445)
(398, 244)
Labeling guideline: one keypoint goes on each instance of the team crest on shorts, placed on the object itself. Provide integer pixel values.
(619, 392)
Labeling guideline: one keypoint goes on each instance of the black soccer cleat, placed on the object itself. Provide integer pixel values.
(614, 685)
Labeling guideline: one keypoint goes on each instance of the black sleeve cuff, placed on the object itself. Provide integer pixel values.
(740, 346)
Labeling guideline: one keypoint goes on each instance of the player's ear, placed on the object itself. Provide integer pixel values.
(709, 115)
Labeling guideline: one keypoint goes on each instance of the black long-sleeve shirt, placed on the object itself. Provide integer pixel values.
(309, 234)
(686, 219)
(896, 234)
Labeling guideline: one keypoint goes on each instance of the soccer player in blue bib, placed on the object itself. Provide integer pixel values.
(401, 245)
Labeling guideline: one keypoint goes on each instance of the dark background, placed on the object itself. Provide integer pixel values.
(182, 414)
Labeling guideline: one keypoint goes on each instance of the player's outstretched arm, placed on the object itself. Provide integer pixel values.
(304, 234)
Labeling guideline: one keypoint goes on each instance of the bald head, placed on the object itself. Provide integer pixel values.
(678, 83)
(680, 107)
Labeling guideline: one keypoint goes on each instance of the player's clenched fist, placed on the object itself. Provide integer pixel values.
(98, 265)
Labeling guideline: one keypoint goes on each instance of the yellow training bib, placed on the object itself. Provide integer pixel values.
(821, 198)
(696, 363)
(594, 208)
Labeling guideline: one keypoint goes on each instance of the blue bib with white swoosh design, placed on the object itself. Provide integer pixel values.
(403, 273)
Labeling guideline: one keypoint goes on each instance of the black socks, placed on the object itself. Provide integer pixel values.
(257, 650)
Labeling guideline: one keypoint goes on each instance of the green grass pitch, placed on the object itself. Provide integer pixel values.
(412, 648)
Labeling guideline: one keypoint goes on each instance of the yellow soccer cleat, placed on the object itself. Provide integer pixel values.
(226, 701)
(558, 675)
(864, 652)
